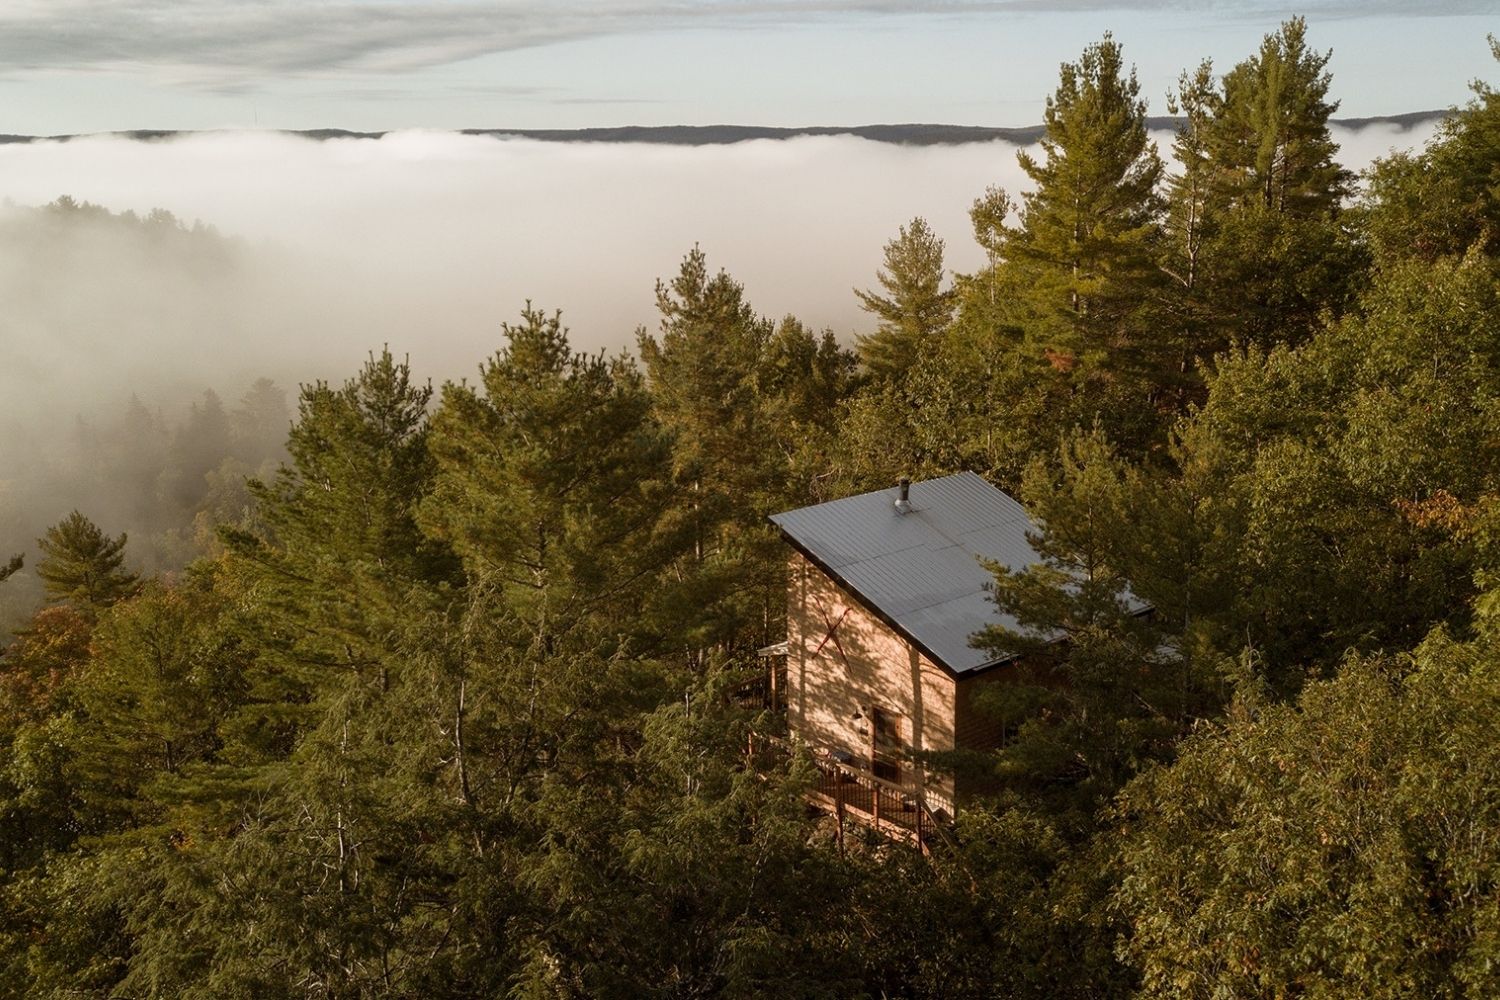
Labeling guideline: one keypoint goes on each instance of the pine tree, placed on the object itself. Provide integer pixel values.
(83, 566)
(804, 382)
(1189, 221)
(552, 483)
(915, 308)
(11, 567)
(359, 464)
(260, 423)
(704, 377)
(1269, 140)
(1088, 228)
(1277, 255)
(334, 547)
(200, 444)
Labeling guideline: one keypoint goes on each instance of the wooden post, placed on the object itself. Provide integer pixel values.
(838, 805)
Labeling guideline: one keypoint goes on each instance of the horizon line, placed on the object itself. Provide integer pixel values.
(904, 133)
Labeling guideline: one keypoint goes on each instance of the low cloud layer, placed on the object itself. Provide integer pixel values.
(220, 44)
(427, 241)
(424, 241)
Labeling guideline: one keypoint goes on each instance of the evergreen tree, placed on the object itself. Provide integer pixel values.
(1099, 689)
(915, 308)
(200, 444)
(83, 566)
(1277, 254)
(359, 464)
(1269, 139)
(1086, 241)
(685, 836)
(334, 553)
(702, 370)
(260, 423)
(11, 567)
(135, 464)
(551, 485)
(803, 385)
(704, 375)
(1189, 222)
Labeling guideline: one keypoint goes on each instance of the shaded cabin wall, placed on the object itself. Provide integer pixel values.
(977, 728)
(869, 666)
(974, 728)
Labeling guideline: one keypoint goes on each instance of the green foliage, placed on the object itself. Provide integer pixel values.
(690, 839)
(1319, 463)
(1269, 136)
(702, 376)
(552, 486)
(336, 541)
(1089, 226)
(1262, 175)
(719, 378)
(1105, 681)
(1338, 847)
(915, 308)
(83, 566)
(449, 710)
(1443, 201)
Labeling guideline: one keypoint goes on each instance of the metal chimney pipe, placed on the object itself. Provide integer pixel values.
(903, 501)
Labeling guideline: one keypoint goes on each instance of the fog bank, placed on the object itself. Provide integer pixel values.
(319, 252)
(427, 240)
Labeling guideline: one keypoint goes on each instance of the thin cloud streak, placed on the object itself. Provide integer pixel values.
(224, 45)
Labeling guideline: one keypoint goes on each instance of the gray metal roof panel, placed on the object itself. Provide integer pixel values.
(922, 569)
(945, 629)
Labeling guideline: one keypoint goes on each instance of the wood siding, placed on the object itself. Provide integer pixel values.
(835, 682)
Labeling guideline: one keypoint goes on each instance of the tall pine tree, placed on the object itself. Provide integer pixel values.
(915, 307)
(1088, 228)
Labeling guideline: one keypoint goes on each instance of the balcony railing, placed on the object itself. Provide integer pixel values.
(854, 795)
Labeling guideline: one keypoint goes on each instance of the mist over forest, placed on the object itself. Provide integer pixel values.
(202, 263)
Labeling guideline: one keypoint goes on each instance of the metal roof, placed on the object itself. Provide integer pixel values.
(921, 570)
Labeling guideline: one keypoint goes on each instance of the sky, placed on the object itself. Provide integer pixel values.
(79, 66)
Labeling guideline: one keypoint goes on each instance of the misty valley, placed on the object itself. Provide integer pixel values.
(1084, 588)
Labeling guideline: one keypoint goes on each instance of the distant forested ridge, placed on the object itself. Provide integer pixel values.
(718, 135)
(442, 701)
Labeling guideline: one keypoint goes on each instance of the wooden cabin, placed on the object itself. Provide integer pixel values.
(886, 591)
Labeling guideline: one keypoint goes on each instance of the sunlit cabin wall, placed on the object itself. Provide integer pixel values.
(832, 691)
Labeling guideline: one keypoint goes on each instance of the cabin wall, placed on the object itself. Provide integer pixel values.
(974, 728)
(869, 665)
(977, 729)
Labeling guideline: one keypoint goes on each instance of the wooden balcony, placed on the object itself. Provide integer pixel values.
(852, 794)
